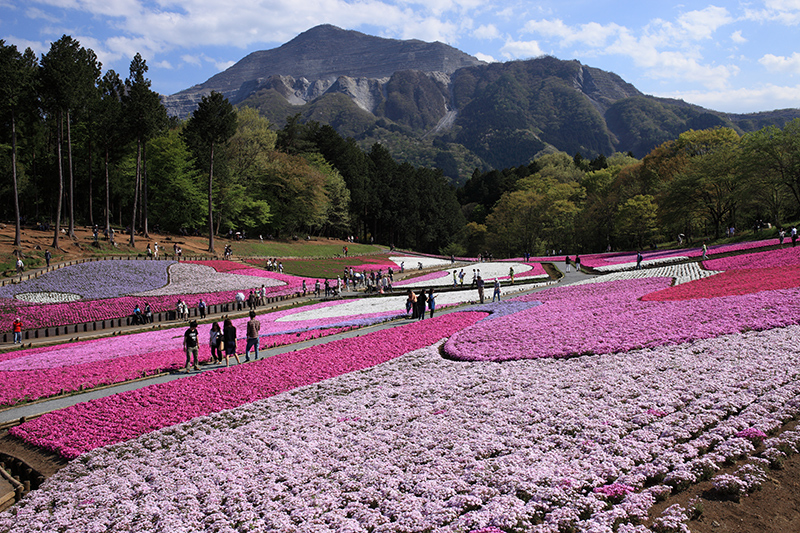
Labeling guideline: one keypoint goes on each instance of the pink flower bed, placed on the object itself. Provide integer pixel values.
(85, 426)
(51, 315)
(599, 260)
(731, 283)
(610, 317)
(34, 384)
(221, 265)
(772, 258)
(37, 373)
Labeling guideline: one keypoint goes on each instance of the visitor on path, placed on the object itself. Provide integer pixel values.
(577, 263)
(479, 283)
(16, 329)
(47, 257)
(215, 343)
(705, 251)
(496, 293)
(461, 278)
(201, 308)
(781, 236)
(567, 262)
(148, 313)
(431, 302)
(253, 327)
(639, 260)
(422, 300)
(794, 236)
(510, 274)
(229, 339)
(410, 303)
(190, 344)
(239, 301)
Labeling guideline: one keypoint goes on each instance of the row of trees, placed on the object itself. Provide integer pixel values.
(221, 169)
(698, 186)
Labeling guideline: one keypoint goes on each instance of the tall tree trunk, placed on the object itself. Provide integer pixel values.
(60, 134)
(108, 198)
(18, 233)
(144, 191)
(210, 210)
(91, 193)
(136, 190)
(71, 231)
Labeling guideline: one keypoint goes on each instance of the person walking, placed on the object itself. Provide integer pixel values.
(479, 283)
(148, 313)
(422, 300)
(253, 327)
(511, 274)
(16, 329)
(577, 263)
(496, 293)
(431, 301)
(567, 262)
(705, 251)
(201, 307)
(215, 343)
(229, 339)
(190, 345)
(47, 257)
(639, 260)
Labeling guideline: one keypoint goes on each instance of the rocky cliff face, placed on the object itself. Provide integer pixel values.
(316, 60)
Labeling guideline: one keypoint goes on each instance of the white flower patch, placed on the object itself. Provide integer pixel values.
(386, 304)
(488, 271)
(621, 267)
(682, 273)
(190, 278)
(48, 297)
(412, 262)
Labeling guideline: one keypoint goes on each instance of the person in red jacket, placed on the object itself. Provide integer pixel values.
(16, 327)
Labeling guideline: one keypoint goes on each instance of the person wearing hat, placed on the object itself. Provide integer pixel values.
(16, 328)
(190, 344)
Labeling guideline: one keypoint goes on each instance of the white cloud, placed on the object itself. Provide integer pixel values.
(775, 63)
(485, 57)
(521, 49)
(737, 37)
(486, 31)
(700, 25)
(744, 100)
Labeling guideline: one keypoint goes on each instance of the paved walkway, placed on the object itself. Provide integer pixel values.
(10, 415)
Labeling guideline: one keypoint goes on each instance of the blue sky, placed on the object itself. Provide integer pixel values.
(738, 57)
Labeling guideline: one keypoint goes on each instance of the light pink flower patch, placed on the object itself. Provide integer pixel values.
(611, 317)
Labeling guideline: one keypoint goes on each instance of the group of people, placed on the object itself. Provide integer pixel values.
(142, 316)
(568, 262)
(273, 265)
(417, 303)
(219, 339)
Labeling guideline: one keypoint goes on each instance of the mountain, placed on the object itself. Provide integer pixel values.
(431, 104)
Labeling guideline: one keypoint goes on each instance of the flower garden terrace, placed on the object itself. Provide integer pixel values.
(511, 431)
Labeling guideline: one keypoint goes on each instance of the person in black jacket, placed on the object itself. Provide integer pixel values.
(229, 338)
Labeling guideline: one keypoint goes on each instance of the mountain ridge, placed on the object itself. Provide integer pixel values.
(433, 105)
